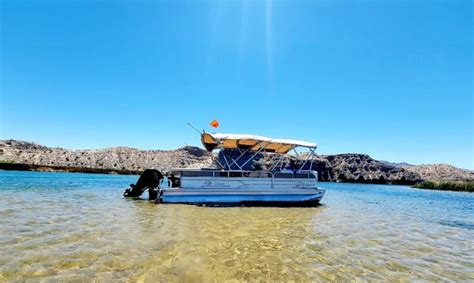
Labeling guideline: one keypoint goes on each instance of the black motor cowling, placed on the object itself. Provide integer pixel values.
(150, 179)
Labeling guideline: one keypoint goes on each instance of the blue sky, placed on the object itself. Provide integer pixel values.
(393, 79)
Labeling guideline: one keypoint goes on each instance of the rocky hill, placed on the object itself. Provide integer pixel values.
(359, 168)
(442, 172)
(115, 159)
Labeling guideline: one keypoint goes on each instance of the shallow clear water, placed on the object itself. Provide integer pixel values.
(77, 227)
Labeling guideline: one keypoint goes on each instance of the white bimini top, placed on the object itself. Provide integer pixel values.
(213, 141)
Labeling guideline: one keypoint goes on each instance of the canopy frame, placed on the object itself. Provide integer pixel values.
(257, 144)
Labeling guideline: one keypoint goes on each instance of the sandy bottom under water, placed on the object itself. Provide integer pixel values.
(77, 227)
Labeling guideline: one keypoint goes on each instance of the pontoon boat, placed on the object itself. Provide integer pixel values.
(233, 184)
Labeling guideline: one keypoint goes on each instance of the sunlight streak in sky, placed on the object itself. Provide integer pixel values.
(216, 20)
(243, 28)
(268, 39)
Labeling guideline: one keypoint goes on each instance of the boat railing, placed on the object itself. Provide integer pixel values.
(307, 174)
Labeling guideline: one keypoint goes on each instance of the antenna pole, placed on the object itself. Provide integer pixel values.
(189, 124)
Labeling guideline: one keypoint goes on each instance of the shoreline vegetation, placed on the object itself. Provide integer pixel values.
(11, 166)
(457, 186)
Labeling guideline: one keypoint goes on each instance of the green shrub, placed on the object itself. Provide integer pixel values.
(460, 186)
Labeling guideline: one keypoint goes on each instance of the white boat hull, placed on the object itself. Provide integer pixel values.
(226, 196)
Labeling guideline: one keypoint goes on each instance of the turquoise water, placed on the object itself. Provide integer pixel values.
(78, 227)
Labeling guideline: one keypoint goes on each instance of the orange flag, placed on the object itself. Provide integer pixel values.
(214, 123)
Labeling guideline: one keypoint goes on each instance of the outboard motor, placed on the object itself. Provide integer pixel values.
(150, 179)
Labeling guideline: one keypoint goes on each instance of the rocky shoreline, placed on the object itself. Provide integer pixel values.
(46, 168)
(357, 168)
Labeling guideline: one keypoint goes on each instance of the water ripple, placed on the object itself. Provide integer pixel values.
(77, 227)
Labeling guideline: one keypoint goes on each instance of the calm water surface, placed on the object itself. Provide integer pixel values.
(77, 227)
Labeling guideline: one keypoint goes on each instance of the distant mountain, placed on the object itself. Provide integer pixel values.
(21, 155)
(442, 172)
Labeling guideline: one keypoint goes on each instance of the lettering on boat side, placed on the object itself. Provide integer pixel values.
(210, 184)
(304, 186)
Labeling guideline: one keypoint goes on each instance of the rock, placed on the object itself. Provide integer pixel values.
(115, 159)
(440, 172)
(351, 167)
